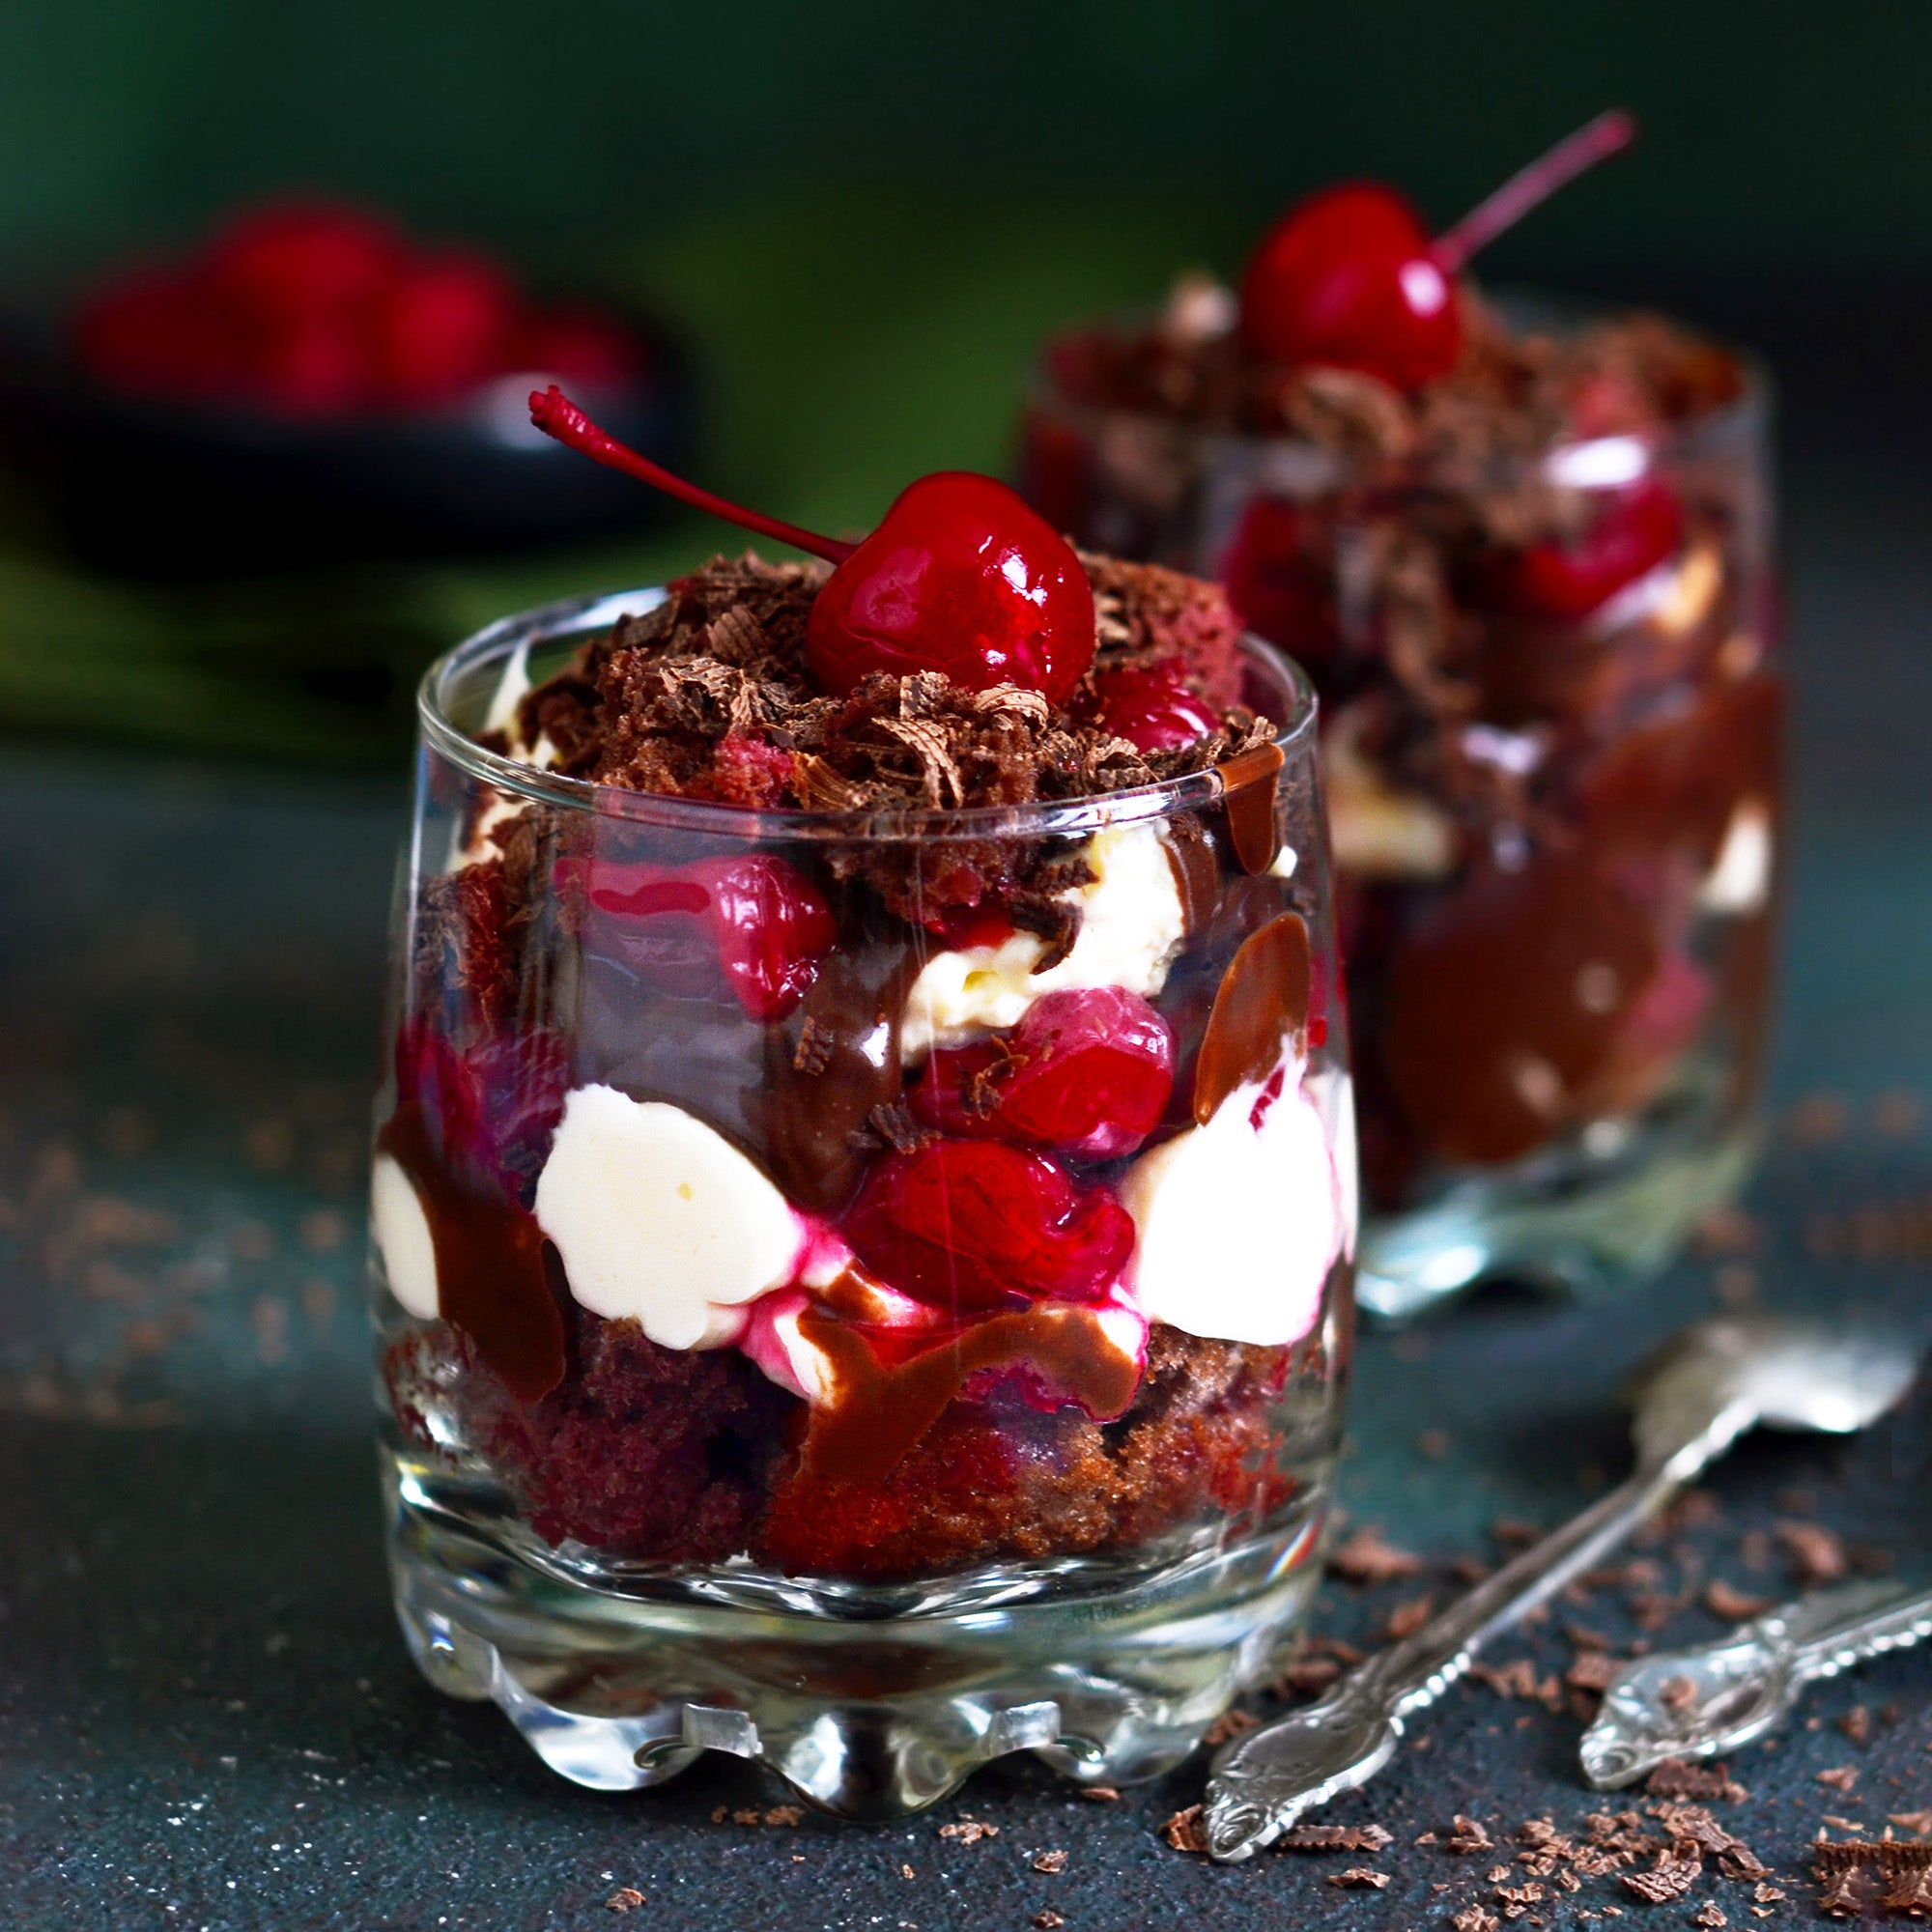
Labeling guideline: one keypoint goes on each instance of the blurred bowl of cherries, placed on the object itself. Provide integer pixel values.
(311, 383)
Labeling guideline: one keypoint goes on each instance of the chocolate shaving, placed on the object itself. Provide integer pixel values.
(1368, 1557)
(1473, 1919)
(968, 1830)
(813, 1054)
(1816, 1554)
(1359, 1876)
(1049, 1863)
(894, 1126)
(1229, 1724)
(1334, 1838)
(1841, 1778)
(1591, 1671)
(1466, 1837)
(1675, 1869)
(1733, 1606)
(1184, 1830)
(1055, 920)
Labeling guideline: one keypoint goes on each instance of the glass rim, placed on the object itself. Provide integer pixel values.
(1556, 313)
(567, 619)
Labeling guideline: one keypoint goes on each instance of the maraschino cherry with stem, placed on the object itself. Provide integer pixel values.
(1349, 278)
(960, 577)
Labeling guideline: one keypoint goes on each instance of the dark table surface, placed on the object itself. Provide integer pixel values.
(206, 1715)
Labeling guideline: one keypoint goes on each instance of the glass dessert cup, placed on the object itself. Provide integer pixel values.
(1553, 737)
(857, 1343)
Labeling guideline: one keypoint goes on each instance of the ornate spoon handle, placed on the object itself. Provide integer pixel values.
(1263, 1782)
(1834, 1629)
(1695, 1703)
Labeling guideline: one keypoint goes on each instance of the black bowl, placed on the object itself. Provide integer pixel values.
(197, 490)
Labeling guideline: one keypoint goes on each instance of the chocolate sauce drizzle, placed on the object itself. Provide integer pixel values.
(1248, 785)
(1263, 998)
(491, 1276)
(879, 1410)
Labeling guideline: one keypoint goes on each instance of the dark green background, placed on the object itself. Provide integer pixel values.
(1781, 132)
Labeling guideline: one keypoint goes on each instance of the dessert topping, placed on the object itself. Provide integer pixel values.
(1152, 711)
(1349, 278)
(967, 1224)
(661, 1220)
(960, 577)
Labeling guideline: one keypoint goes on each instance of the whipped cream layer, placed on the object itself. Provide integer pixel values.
(1131, 927)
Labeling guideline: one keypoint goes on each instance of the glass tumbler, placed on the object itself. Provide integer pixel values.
(1552, 730)
(852, 1338)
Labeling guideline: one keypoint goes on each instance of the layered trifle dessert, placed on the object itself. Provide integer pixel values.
(1522, 553)
(870, 1138)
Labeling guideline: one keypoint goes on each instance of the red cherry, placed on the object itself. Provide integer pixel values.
(1344, 278)
(976, 1224)
(1087, 1071)
(1349, 278)
(295, 262)
(443, 326)
(768, 922)
(960, 577)
(1151, 711)
(1632, 534)
(771, 927)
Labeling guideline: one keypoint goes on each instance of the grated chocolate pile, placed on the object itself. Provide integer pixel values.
(709, 697)
(1512, 392)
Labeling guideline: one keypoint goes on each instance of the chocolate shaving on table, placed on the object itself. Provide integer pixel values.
(968, 1830)
(1841, 1777)
(1731, 1605)
(1359, 1876)
(1674, 1870)
(1466, 1837)
(1591, 1671)
(1369, 1557)
(1817, 1554)
(1185, 1830)
(1857, 1724)
(1229, 1724)
(1334, 1838)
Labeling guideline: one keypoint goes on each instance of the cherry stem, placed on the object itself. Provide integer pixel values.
(1596, 141)
(556, 416)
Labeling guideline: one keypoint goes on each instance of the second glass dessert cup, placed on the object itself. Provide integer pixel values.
(858, 1340)
(1553, 729)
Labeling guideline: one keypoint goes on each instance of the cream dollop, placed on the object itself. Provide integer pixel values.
(403, 1238)
(1237, 1224)
(1131, 925)
(659, 1219)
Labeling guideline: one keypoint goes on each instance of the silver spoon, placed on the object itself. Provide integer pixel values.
(1695, 1703)
(1693, 1398)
